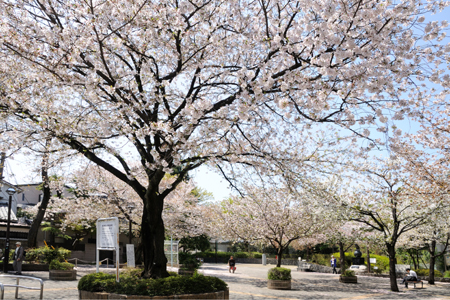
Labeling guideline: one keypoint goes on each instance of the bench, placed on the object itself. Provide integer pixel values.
(415, 282)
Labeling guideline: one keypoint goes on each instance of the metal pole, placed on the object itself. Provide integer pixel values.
(17, 287)
(171, 251)
(10, 192)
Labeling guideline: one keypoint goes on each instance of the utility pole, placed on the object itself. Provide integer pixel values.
(2, 163)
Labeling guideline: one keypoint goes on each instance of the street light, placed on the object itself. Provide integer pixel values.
(10, 192)
(130, 208)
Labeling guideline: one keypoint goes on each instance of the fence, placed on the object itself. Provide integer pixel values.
(17, 285)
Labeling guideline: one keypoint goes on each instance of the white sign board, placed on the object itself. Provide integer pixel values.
(108, 239)
(130, 256)
(373, 260)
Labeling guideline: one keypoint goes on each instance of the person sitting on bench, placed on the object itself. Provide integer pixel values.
(410, 276)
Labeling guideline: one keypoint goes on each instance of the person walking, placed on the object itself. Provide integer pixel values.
(18, 258)
(410, 276)
(333, 262)
(231, 264)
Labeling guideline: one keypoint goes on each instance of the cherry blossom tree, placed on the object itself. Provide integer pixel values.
(98, 194)
(275, 216)
(436, 231)
(182, 83)
(345, 235)
(390, 203)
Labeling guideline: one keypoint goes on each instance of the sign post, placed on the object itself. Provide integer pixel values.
(108, 239)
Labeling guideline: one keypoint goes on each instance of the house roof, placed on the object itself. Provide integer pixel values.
(16, 187)
(4, 214)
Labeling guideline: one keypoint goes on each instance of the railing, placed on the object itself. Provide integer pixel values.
(17, 285)
(90, 262)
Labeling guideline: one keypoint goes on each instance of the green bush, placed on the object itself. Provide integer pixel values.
(279, 274)
(241, 255)
(189, 261)
(57, 265)
(226, 255)
(447, 274)
(348, 273)
(382, 261)
(47, 254)
(322, 259)
(132, 285)
(426, 272)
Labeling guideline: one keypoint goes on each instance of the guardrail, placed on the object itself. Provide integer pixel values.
(17, 285)
(90, 262)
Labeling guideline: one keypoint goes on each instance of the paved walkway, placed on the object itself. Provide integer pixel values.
(249, 282)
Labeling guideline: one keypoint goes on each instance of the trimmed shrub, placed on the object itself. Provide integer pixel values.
(426, 272)
(57, 265)
(348, 273)
(132, 285)
(447, 274)
(47, 254)
(189, 261)
(382, 261)
(279, 274)
(241, 255)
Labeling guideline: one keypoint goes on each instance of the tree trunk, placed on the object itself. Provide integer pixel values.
(341, 256)
(279, 256)
(32, 234)
(432, 249)
(152, 228)
(392, 273)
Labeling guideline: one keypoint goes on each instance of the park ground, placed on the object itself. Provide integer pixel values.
(249, 282)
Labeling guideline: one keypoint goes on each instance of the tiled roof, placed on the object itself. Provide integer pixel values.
(4, 214)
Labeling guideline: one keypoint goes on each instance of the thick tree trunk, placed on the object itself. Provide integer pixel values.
(153, 236)
(279, 256)
(341, 256)
(432, 249)
(32, 234)
(392, 273)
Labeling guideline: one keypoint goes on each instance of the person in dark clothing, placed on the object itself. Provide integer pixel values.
(231, 264)
(333, 262)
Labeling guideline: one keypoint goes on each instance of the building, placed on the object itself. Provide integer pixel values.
(18, 227)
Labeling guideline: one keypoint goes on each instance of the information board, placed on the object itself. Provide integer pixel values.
(108, 235)
(108, 239)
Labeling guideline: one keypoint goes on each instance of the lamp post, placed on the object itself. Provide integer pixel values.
(130, 208)
(10, 192)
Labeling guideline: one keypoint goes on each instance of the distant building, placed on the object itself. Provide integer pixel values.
(18, 227)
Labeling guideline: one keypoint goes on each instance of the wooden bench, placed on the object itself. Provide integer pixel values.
(415, 282)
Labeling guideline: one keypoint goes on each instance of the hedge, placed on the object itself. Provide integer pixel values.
(382, 261)
(426, 272)
(132, 285)
(279, 274)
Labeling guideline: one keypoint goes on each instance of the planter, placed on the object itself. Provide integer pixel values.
(346, 279)
(186, 272)
(279, 284)
(102, 295)
(63, 274)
